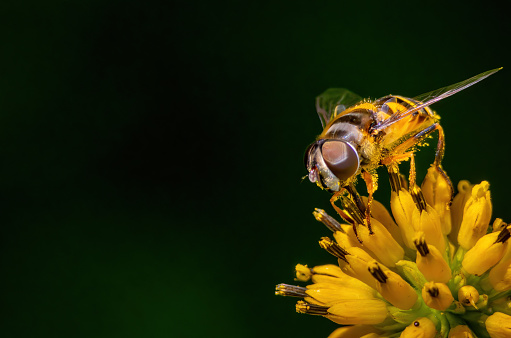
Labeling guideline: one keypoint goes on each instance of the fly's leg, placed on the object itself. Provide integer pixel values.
(417, 138)
(352, 207)
(371, 183)
(412, 179)
(421, 135)
(344, 215)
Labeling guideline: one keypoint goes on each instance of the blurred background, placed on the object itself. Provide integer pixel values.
(152, 151)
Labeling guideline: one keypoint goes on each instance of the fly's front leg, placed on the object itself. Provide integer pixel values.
(353, 207)
(344, 215)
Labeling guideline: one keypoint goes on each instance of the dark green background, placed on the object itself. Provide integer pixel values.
(151, 152)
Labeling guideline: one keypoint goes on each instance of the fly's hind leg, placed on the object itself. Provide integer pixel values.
(417, 138)
(420, 136)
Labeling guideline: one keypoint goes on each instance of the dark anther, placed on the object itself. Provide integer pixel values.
(290, 290)
(333, 248)
(421, 246)
(418, 198)
(327, 220)
(395, 181)
(311, 309)
(433, 291)
(351, 208)
(503, 235)
(356, 197)
(378, 273)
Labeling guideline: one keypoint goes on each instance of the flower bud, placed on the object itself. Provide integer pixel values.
(303, 273)
(457, 207)
(437, 296)
(461, 331)
(393, 288)
(476, 216)
(353, 331)
(402, 206)
(468, 296)
(381, 243)
(431, 262)
(498, 325)
(421, 327)
(437, 191)
(486, 252)
(352, 312)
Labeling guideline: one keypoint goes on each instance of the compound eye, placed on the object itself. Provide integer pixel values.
(341, 158)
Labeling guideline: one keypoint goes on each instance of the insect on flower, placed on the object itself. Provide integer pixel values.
(361, 135)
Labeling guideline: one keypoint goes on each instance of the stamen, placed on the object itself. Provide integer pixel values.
(418, 198)
(358, 201)
(377, 273)
(433, 291)
(395, 179)
(327, 220)
(333, 248)
(503, 236)
(420, 244)
(353, 211)
(311, 309)
(290, 290)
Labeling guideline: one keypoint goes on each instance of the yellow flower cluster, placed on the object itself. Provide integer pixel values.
(431, 269)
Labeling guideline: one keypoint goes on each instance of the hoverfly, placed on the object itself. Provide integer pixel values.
(361, 135)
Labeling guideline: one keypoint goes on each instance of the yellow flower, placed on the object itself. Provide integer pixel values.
(428, 269)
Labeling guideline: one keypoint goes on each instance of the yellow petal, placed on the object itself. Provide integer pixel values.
(348, 239)
(485, 254)
(437, 295)
(420, 328)
(437, 191)
(352, 312)
(353, 331)
(457, 207)
(498, 325)
(403, 206)
(393, 288)
(381, 243)
(461, 331)
(431, 262)
(330, 293)
(476, 216)
(428, 222)
(358, 266)
(379, 212)
(500, 274)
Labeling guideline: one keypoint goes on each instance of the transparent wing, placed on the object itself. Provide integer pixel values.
(333, 98)
(428, 99)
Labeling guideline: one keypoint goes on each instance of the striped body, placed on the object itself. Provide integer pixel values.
(354, 124)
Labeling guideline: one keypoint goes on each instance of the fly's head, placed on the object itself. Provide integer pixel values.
(331, 163)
